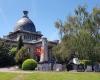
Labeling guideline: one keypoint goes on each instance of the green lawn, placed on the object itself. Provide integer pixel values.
(49, 76)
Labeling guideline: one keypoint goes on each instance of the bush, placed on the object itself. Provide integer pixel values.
(13, 51)
(29, 64)
(86, 62)
(21, 56)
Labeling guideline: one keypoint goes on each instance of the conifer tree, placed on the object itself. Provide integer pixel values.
(20, 43)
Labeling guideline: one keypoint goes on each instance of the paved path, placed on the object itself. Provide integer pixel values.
(14, 70)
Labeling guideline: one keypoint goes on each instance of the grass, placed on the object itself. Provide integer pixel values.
(7, 76)
(50, 76)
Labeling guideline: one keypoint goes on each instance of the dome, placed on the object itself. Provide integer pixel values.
(25, 24)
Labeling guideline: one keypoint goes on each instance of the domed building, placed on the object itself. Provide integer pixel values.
(37, 46)
(25, 28)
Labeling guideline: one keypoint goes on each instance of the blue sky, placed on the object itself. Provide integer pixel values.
(42, 12)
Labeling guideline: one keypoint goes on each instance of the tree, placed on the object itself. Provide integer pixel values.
(5, 58)
(81, 34)
(84, 45)
(21, 56)
(13, 51)
(20, 43)
(58, 54)
(59, 26)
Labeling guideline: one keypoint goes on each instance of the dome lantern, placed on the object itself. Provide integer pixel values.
(25, 13)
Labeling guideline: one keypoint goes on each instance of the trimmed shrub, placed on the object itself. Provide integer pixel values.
(29, 64)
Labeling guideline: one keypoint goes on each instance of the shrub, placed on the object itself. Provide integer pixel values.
(86, 62)
(21, 56)
(13, 51)
(29, 64)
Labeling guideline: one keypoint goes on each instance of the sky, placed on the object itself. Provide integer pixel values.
(43, 13)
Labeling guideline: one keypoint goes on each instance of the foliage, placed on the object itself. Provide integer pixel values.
(81, 35)
(13, 51)
(86, 62)
(59, 26)
(20, 43)
(58, 55)
(21, 56)
(5, 58)
(29, 64)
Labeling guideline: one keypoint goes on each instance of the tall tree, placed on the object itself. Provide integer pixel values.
(59, 26)
(20, 43)
(81, 34)
(22, 55)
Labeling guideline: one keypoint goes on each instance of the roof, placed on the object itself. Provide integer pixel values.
(25, 23)
(28, 32)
